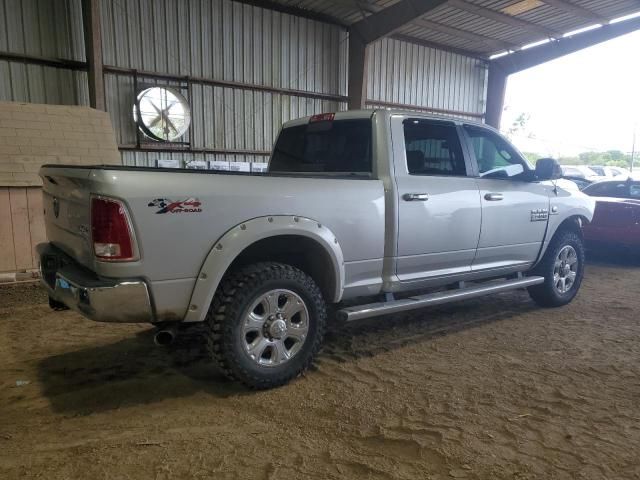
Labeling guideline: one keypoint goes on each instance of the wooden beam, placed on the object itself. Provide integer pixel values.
(531, 57)
(390, 19)
(577, 10)
(496, 88)
(504, 18)
(93, 50)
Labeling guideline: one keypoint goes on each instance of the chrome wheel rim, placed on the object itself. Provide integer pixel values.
(275, 327)
(565, 270)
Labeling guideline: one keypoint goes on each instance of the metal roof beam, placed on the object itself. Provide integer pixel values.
(503, 18)
(390, 19)
(577, 10)
(523, 59)
(293, 10)
(492, 43)
(439, 46)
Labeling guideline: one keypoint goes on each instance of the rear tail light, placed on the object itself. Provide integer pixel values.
(111, 230)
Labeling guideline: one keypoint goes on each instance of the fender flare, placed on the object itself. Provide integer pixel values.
(227, 248)
(579, 213)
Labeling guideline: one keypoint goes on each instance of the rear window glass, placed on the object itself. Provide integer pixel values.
(340, 146)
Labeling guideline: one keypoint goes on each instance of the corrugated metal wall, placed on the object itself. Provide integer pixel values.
(224, 41)
(45, 28)
(410, 74)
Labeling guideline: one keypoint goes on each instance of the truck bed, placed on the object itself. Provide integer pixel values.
(174, 244)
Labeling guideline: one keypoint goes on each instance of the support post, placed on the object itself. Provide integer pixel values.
(357, 86)
(93, 51)
(496, 88)
(371, 28)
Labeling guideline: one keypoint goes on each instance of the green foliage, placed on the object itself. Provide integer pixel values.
(518, 124)
(611, 158)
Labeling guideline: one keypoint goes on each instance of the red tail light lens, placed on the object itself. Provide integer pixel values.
(322, 117)
(110, 230)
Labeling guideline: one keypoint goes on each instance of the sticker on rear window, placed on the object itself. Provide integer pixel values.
(165, 205)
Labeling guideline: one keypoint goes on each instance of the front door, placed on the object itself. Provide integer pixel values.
(438, 201)
(515, 209)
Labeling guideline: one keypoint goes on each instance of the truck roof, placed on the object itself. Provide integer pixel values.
(368, 113)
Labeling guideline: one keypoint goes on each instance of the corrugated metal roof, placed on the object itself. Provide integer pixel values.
(541, 21)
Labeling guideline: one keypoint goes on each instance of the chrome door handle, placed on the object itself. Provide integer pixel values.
(413, 197)
(493, 197)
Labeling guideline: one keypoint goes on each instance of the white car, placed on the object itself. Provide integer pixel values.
(581, 171)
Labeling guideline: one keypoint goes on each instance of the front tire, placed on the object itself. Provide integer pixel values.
(265, 324)
(562, 268)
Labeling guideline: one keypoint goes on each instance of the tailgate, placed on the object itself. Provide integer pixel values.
(67, 208)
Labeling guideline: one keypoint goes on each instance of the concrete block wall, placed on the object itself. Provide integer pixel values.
(32, 135)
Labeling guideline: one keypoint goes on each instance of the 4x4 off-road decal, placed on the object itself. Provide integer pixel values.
(165, 205)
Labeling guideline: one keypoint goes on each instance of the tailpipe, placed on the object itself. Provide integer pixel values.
(164, 337)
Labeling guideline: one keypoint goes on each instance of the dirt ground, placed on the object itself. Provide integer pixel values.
(488, 389)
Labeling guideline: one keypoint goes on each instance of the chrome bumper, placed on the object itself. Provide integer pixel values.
(100, 299)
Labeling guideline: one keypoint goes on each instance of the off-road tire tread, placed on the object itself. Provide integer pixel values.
(224, 311)
(543, 294)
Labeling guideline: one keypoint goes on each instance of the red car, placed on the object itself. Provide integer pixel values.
(616, 220)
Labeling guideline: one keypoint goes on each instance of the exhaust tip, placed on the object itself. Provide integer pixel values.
(164, 338)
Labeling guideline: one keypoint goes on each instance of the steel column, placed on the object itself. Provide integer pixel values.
(496, 88)
(372, 28)
(93, 49)
(357, 86)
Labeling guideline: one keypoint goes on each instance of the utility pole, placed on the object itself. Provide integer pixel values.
(633, 146)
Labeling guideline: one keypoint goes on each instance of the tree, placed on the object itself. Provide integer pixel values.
(518, 125)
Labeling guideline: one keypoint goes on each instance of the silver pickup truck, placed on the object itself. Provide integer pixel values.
(389, 210)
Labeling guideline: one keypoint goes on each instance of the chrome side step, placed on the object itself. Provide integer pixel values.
(384, 308)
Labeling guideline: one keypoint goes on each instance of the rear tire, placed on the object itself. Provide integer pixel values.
(562, 268)
(265, 324)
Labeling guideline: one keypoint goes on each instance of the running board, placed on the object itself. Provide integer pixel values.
(384, 308)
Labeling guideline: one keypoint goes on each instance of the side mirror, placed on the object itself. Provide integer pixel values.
(548, 169)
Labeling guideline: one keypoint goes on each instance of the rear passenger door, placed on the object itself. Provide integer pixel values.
(438, 200)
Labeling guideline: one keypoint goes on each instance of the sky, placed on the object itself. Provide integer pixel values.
(586, 101)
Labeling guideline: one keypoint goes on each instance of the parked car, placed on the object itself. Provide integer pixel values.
(580, 171)
(580, 182)
(608, 171)
(616, 222)
(627, 188)
(355, 204)
(617, 216)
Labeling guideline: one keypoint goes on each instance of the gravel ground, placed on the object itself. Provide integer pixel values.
(487, 389)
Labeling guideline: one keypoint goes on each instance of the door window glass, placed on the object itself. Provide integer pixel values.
(433, 148)
(634, 191)
(495, 157)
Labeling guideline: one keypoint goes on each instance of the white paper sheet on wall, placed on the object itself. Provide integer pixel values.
(259, 167)
(165, 163)
(198, 165)
(240, 166)
(219, 165)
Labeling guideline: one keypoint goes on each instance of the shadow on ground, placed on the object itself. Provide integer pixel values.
(612, 256)
(134, 371)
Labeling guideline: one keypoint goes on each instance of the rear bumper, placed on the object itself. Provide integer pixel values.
(100, 299)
